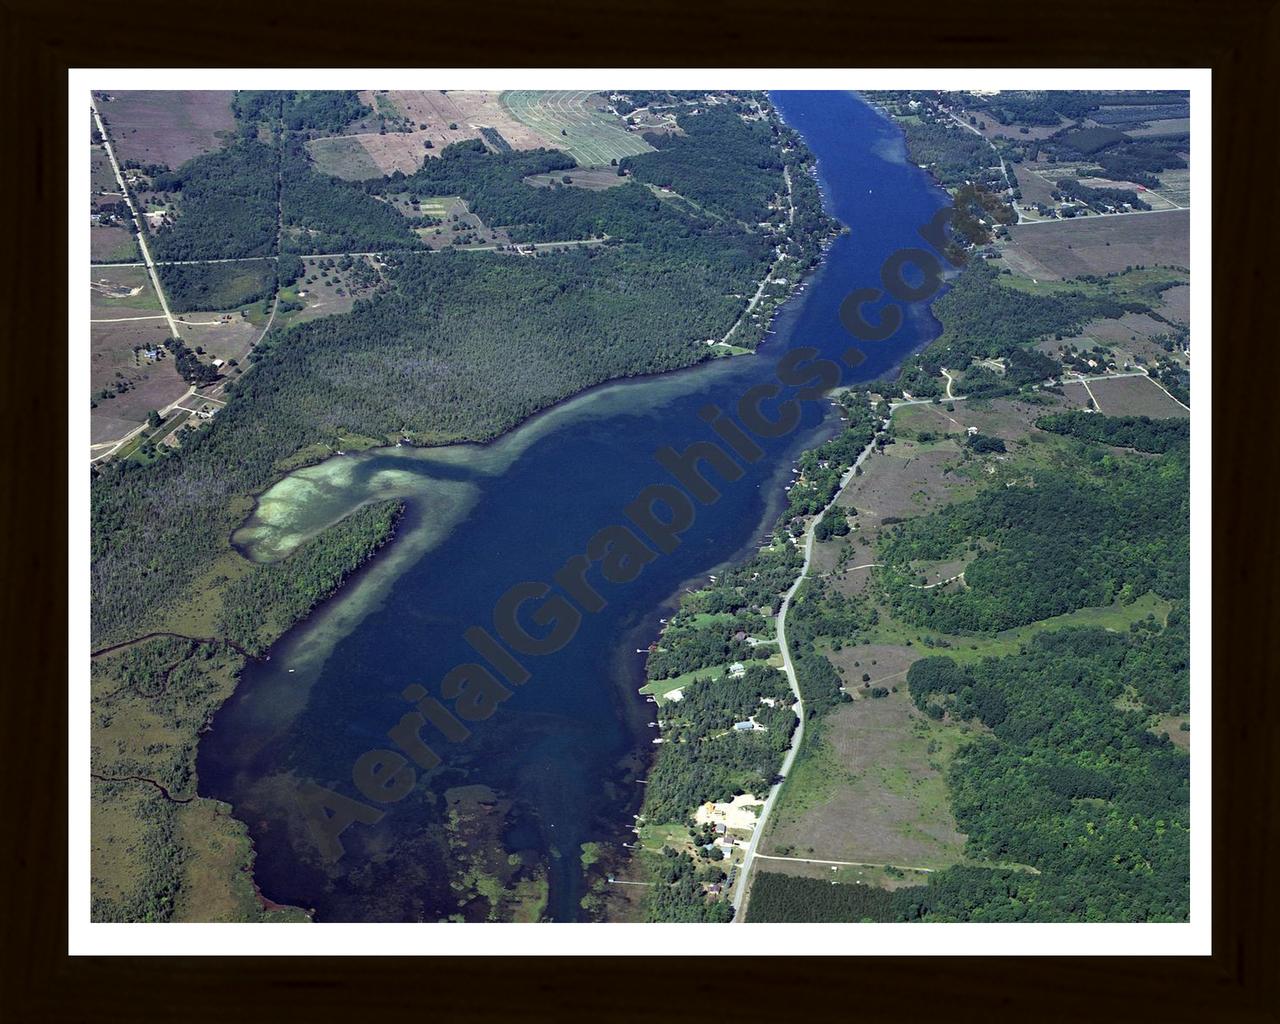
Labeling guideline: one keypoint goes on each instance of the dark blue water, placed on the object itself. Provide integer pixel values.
(562, 754)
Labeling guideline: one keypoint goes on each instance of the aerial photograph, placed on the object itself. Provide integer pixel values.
(638, 506)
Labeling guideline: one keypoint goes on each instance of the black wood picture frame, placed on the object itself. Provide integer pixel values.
(1238, 39)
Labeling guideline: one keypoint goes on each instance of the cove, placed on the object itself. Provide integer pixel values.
(557, 764)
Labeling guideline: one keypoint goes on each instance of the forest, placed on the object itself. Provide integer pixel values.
(322, 214)
(217, 286)
(982, 318)
(458, 346)
(1070, 780)
(728, 165)
(327, 110)
(226, 205)
(1140, 433)
(791, 899)
(1100, 198)
(954, 155)
(1077, 538)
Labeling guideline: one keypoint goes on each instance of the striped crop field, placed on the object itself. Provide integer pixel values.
(591, 137)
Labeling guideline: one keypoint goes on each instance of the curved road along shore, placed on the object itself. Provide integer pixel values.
(740, 888)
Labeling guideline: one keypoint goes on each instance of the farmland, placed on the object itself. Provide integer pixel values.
(577, 124)
(1134, 396)
(167, 127)
(415, 125)
(112, 245)
(1099, 245)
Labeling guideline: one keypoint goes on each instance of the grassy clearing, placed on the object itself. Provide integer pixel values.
(814, 778)
(112, 245)
(964, 649)
(1128, 285)
(870, 787)
(661, 687)
(343, 156)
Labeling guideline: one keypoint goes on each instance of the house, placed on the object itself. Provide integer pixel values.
(744, 726)
(737, 670)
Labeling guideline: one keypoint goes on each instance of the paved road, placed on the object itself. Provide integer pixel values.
(137, 220)
(1003, 169)
(150, 264)
(511, 248)
(744, 872)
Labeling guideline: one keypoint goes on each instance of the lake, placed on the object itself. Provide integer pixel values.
(557, 764)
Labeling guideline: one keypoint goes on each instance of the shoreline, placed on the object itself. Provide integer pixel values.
(703, 355)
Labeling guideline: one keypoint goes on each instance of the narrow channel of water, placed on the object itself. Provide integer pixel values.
(560, 757)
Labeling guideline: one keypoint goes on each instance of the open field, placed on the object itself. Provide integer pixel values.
(1134, 396)
(138, 384)
(1007, 418)
(1177, 303)
(101, 177)
(1034, 187)
(905, 480)
(1099, 245)
(871, 788)
(1168, 126)
(116, 292)
(577, 124)
(1175, 186)
(485, 109)
(166, 127)
(470, 111)
(112, 245)
(595, 180)
(1132, 338)
(344, 156)
(220, 339)
(126, 315)
(317, 298)
(993, 129)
